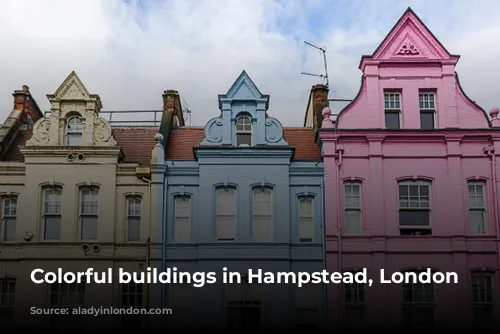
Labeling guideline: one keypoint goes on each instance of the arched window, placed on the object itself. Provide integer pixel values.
(244, 131)
(74, 131)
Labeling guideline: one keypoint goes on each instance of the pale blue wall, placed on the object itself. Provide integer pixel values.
(244, 168)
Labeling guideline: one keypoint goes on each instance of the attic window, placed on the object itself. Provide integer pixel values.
(74, 131)
(244, 131)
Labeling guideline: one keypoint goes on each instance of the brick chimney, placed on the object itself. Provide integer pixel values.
(172, 114)
(318, 100)
(25, 102)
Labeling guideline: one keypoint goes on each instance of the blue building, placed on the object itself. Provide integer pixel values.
(243, 193)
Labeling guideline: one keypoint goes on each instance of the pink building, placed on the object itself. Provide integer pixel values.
(410, 184)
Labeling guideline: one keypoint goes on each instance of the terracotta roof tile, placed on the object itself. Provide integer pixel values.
(136, 143)
(304, 141)
(180, 146)
(182, 141)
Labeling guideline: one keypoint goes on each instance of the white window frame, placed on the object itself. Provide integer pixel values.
(393, 105)
(424, 104)
(134, 214)
(312, 217)
(478, 208)
(415, 306)
(7, 293)
(481, 275)
(84, 214)
(244, 295)
(74, 132)
(244, 129)
(47, 213)
(219, 215)
(180, 218)
(350, 206)
(9, 216)
(409, 208)
(256, 216)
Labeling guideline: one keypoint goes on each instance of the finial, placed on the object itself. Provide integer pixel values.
(159, 138)
(326, 112)
(494, 112)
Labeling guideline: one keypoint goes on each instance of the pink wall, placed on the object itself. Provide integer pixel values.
(362, 150)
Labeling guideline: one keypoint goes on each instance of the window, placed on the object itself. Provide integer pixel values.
(392, 107)
(9, 218)
(354, 302)
(182, 223)
(71, 296)
(427, 110)
(52, 213)
(89, 207)
(352, 208)
(74, 131)
(262, 214)
(243, 307)
(244, 131)
(414, 209)
(307, 301)
(225, 215)
(132, 294)
(477, 208)
(306, 219)
(134, 218)
(482, 298)
(418, 302)
(7, 298)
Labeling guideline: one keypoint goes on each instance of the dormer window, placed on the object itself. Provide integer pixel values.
(244, 131)
(74, 131)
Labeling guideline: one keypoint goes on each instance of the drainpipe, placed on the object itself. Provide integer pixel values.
(325, 294)
(339, 236)
(490, 151)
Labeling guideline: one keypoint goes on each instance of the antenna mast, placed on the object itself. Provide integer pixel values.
(323, 51)
(186, 111)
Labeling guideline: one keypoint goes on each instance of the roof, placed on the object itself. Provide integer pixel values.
(136, 143)
(183, 140)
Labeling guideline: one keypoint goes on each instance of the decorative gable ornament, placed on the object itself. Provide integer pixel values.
(70, 99)
(408, 49)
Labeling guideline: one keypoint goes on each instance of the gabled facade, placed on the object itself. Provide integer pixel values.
(75, 194)
(243, 192)
(410, 172)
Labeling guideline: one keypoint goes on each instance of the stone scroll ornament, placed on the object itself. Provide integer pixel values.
(102, 132)
(41, 133)
(408, 49)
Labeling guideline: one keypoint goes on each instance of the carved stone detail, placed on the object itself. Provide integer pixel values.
(41, 133)
(213, 131)
(408, 49)
(102, 132)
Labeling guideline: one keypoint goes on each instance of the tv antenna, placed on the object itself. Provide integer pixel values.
(186, 111)
(323, 51)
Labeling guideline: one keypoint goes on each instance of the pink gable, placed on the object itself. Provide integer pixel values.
(410, 39)
(410, 62)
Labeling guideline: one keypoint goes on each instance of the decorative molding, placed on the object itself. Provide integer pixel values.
(408, 49)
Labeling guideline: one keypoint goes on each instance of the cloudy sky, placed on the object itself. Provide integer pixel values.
(128, 52)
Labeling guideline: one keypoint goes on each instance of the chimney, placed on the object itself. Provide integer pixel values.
(172, 114)
(318, 100)
(25, 102)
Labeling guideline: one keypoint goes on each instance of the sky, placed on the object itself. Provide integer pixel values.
(128, 52)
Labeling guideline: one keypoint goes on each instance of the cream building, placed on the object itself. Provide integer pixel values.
(75, 194)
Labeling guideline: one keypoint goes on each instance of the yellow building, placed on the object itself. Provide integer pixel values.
(76, 193)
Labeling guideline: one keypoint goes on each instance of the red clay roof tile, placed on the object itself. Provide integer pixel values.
(183, 140)
(136, 143)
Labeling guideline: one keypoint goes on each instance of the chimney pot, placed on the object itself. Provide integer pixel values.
(25, 88)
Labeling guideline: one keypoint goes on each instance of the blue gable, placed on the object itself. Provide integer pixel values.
(244, 120)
